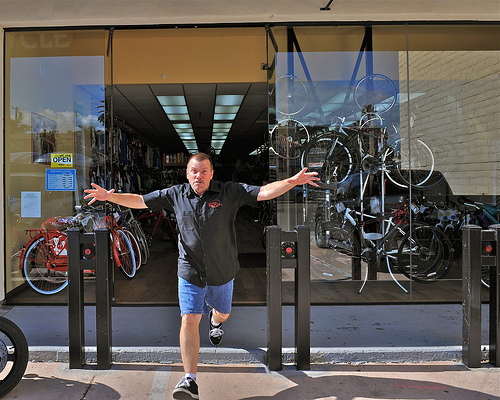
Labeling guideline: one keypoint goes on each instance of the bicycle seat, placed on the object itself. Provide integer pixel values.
(58, 223)
(373, 236)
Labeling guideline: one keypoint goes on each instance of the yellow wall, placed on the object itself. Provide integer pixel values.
(189, 56)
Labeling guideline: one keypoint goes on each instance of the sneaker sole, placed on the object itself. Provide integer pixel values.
(183, 394)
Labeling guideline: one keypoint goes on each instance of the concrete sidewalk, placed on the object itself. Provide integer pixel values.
(437, 380)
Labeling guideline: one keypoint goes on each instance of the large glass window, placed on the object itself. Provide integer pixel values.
(400, 122)
(54, 143)
(400, 129)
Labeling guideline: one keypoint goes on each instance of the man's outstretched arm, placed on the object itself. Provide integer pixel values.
(130, 200)
(276, 189)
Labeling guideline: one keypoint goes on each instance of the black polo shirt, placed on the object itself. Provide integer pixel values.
(207, 236)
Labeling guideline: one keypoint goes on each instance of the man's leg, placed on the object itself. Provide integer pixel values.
(191, 300)
(190, 341)
(218, 317)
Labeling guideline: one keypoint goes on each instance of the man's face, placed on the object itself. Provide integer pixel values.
(199, 174)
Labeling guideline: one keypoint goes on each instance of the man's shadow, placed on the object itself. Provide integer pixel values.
(350, 386)
(34, 386)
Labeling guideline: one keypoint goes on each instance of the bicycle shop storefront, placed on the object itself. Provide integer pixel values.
(399, 121)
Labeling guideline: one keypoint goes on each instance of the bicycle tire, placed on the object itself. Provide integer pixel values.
(375, 90)
(34, 262)
(142, 240)
(343, 240)
(485, 276)
(290, 95)
(331, 158)
(287, 138)
(417, 171)
(124, 253)
(135, 247)
(14, 354)
(425, 254)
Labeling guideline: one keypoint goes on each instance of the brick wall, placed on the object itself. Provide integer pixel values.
(455, 109)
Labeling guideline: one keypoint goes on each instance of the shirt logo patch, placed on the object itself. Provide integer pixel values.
(215, 204)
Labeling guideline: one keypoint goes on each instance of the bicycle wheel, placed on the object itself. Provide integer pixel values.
(290, 95)
(287, 138)
(135, 247)
(14, 355)
(39, 265)
(485, 276)
(124, 255)
(377, 91)
(403, 170)
(331, 158)
(425, 254)
(142, 240)
(343, 240)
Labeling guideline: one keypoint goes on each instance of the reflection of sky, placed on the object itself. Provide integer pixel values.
(330, 77)
(56, 87)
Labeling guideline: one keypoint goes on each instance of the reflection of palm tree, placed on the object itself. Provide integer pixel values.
(16, 126)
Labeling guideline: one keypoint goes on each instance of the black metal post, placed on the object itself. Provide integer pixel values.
(89, 251)
(471, 296)
(288, 250)
(495, 303)
(103, 298)
(274, 311)
(75, 302)
(356, 267)
(303, 299)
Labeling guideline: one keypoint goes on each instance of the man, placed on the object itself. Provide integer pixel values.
(208, 258)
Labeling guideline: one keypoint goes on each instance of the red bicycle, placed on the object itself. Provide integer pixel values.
(44, 259)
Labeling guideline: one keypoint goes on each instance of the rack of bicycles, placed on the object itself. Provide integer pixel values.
(44, 259)
(336, 148)
(418, 239)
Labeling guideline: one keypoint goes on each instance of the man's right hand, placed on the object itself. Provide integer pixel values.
(130, 200)
(98, 193)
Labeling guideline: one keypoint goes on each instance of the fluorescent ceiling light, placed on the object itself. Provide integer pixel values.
(171, 100)
(226, 109)
(187, 136)
(224, 117)
(222, 125)
(182, 126)
(229, 99)
(175, 110)
(178, 117)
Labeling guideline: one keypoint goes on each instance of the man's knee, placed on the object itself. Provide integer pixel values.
(221, 317)
(191, 319)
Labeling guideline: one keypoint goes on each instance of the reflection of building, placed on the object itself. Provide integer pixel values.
(445, 71)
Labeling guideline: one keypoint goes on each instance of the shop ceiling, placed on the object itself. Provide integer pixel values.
(139, 106)
(192, 69)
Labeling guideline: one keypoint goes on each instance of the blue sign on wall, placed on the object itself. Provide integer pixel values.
(60, 179)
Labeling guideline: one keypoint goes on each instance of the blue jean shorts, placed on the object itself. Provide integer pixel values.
(196, 300)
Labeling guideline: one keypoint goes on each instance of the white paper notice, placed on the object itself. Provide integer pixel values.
(31, 204)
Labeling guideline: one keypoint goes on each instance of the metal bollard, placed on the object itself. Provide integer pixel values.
(495, 302)
(288, 250)
(479, 249)
(89, 251)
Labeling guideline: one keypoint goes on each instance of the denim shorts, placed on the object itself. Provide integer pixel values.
(196, 300)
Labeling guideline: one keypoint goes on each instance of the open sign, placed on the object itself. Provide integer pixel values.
(61, 160)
